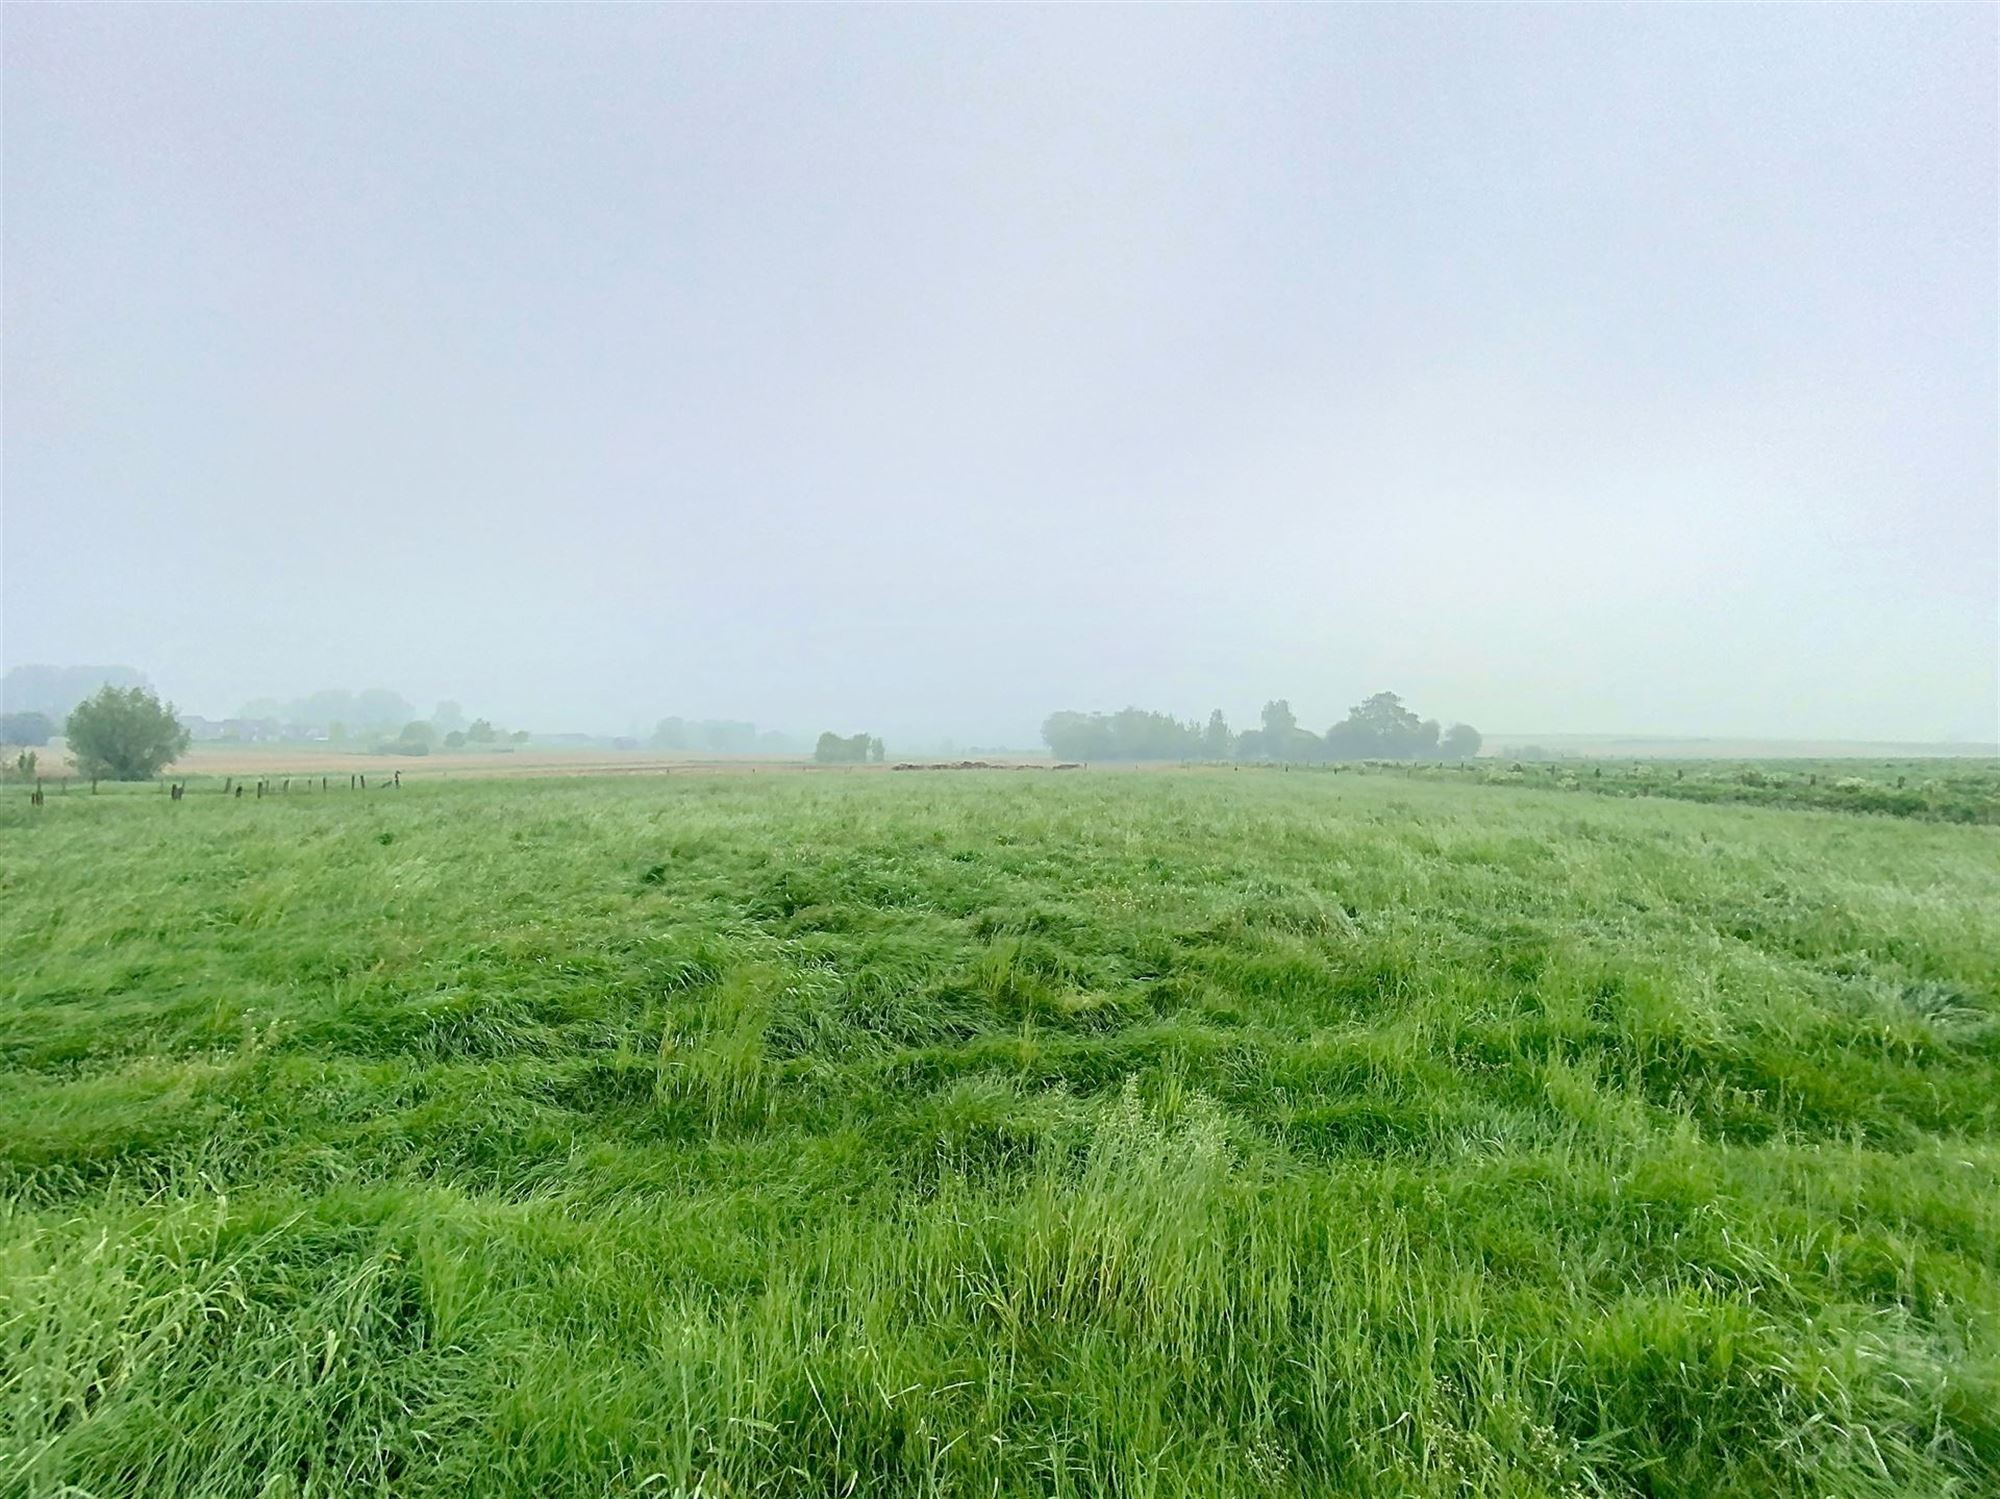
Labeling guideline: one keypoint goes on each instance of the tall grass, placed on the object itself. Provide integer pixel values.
(1144, 1134)
(1937, 790)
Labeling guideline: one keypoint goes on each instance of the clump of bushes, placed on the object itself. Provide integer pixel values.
(850, 749)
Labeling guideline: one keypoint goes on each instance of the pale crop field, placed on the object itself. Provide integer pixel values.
(1160, 1133)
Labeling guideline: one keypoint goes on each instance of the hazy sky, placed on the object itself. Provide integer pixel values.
(924, 370)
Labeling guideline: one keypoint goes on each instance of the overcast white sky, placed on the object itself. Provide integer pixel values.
(924, 370)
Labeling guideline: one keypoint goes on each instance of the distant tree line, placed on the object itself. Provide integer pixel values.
(420, 736)
(30, 729)
(720, 736)
(1380, 728)
(376, 719)
(375, 710)
(1132, 734)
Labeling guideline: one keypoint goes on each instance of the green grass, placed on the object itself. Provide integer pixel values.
(1936, 790)
(1181, 1133)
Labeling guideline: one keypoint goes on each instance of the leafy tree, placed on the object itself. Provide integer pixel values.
(416, 739)
(324, 709)
(378, 708)
(837, 749)
(876, 753)
(455, 739)
(124, 734)
(1077, 736)
(481, 732)
(1380, 729)
(448, 716)
(1216, 738)
(1280, 738)
(26, 728)
(1461, 742)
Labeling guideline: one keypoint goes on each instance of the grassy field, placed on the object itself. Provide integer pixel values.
(1962, 790)
(1161, 1133)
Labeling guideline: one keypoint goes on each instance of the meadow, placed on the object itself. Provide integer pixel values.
(1185, 1132)
(1940, 790)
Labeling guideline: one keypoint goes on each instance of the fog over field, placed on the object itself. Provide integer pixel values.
(923, 372)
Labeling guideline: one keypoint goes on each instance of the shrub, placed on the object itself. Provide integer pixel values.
(852, 749)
